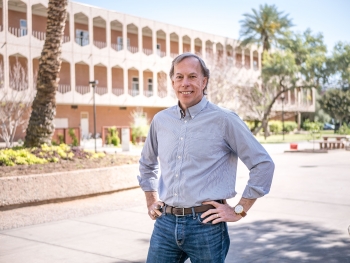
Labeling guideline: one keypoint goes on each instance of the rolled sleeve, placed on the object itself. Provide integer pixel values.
(253, 155)
(149, 167)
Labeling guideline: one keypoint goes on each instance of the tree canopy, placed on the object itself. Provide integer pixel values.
(266, 26)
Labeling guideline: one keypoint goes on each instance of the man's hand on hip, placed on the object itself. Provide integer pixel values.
(153, 205)
(224, 212)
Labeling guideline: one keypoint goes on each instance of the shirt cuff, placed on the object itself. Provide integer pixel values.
(148, 184)
(253, 192)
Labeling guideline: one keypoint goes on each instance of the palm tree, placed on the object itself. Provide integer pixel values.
(40, 127)
(264, 27)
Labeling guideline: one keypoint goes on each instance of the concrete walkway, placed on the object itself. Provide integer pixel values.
(305, 218)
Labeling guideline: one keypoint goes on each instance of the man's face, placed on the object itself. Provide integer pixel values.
(188, 82)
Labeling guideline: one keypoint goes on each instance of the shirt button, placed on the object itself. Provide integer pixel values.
(175, 194)
(185, 121)
(181, 138)
(176, 175)
(179, 157)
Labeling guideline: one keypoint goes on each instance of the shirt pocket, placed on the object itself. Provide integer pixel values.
(205, 146)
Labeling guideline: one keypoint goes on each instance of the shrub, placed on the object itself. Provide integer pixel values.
(275, 126)
(344, 129)
(73, 136)
(112, 136)
(43, 154)
(312, 126)
(290, 126)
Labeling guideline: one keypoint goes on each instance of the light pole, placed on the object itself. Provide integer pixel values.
(93, 83)
(282, 98)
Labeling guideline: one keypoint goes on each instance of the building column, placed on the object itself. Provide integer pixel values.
(126, 80)
(154, 42)
(108, 31)
(5, 45)
(141, 82)
(72, 77)
(214, 48)
(155, 83)
(181, 47)
(71, 28)
(192, 45)
(125, 36)
(91, 31)
(109, 79)
(139, 35)
(167, 44)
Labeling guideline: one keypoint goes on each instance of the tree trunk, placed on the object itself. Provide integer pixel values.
(40, 127)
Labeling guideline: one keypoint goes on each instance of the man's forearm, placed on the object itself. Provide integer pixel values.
(151, 197)
(246, 203)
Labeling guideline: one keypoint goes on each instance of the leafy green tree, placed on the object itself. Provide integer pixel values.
(336, 103)
(41, 128)
(299, 65)
(266, 27)
(339, 65)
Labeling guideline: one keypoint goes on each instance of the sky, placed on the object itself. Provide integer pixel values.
(221, 17)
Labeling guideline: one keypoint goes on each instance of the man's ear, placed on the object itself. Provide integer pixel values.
(205, 81)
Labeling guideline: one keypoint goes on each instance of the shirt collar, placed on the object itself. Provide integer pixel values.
(194, 110)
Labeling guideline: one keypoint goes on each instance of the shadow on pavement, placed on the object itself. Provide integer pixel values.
(287, 241)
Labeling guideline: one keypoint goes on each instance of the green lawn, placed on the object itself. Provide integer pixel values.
(290, 137)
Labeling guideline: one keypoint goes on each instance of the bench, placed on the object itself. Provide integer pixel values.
(333, 142)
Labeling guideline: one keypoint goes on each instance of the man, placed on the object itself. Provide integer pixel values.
(198, 145)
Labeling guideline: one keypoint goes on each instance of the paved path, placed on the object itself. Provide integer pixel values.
(304, 219)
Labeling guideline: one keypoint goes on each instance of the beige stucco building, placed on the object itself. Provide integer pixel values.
(129, 56)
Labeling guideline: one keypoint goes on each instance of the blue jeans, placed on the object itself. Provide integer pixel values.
(176, 239)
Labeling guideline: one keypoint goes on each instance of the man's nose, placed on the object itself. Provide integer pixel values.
(185, 82)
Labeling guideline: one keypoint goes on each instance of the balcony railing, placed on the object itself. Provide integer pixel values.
(100, 44)
(162, 93)
(42, 36)
(133, 49)
(118, 91)
(82, 89)
(174, 55)
(133, 92)
(117, 47)
(147, 51)
(62, 88)
(18, 32)
(148, 93)
(161, 53)
(101, 90)
(82, 41)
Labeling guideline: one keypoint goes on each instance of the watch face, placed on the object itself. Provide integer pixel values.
(238, 209)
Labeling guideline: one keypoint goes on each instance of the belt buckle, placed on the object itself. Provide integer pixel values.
(183, 211)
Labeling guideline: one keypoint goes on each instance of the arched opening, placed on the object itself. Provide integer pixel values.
(147, 46)
(100, 73)
(174, 45)
(17, 18)
(116, 35)
(161, 43)
(99, 31)
(82, 78)
(117, 81)
(81, 28)
(132, 41)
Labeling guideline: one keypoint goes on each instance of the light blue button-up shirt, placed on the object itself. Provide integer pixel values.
(198, 156)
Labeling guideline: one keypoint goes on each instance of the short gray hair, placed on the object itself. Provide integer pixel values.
(205, 70)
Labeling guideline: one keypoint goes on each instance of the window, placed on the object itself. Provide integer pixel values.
(82, 37)
(23, 27)
(135, 84)
(150, 84)
(158, 49)
(119, 43)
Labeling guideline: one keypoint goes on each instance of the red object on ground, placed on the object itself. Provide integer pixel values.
(294, 146)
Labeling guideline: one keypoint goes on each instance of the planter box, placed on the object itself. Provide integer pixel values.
(31, 189)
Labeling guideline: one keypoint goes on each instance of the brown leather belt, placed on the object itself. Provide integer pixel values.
(180, 211)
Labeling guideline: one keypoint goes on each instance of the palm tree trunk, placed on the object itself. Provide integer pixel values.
(40, 127)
